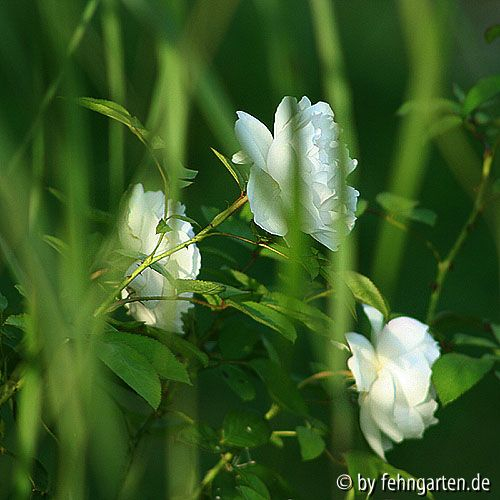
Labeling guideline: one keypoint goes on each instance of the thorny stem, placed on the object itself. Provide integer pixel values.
(445, 264)
(119, 303)
(152, 258)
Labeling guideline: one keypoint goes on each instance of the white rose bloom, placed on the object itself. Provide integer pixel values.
(138, 234)
(393, 377)
(308, 136)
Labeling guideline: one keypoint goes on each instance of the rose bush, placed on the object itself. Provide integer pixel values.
(138, 234)
(305, 135)
(393, 377)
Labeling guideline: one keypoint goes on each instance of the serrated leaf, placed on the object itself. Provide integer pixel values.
(238, 381)
(17, 320)
(265, 315)
(314, 319)
(252, 487)
(484, 90)
(133, 368)
(178, 345)
(158, 355)
(162, 227)
(365, 292)
(199, 286)
(492, 33)
(245, 429)
(311, 443)
(201, 435)
(453, 374)
(280, 386)
(236, 172)
(107, 108)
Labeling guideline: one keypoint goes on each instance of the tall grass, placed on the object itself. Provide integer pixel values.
(67, 411)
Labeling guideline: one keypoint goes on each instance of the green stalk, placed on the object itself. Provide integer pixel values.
(445, 265)
(151, 259)
(116, 80)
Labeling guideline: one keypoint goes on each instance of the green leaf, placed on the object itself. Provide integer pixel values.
(361, 207)
(400, 206)
(199, 286)
(57, 244)
(248, 282)
(17, 320)
(108, 108)
(472, 340)
(366, 292)
(238, 174)
(314, 319)
(423, 215)
(492, 33)
(245, 429)
(429, 107)
(496, 331)
(184, 218)
(133, 368)
(367, 465)
(178, 345)
(162, 227)
(238, 381)
(453, 374)
(311, 443)
(3, 303)
(280, 386)
(265, 315)
(252, 487)
(158, 355)
(201, 435)
(394, 203)
(443, 125)
(237, 342)
(483, 91)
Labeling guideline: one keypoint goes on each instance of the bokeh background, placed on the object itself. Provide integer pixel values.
(184, 68)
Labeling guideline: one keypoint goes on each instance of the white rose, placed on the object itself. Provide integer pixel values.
(393, 377)
(138, 234)
(308, 136)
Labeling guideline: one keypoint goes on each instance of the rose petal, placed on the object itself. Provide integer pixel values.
(375, 317)
(371, 430)
(254, 137)
(264, 196)
(363, 361)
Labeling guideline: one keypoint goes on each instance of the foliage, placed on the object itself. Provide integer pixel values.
(84, 387)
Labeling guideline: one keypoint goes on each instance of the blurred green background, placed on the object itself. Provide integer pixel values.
(184, 68)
